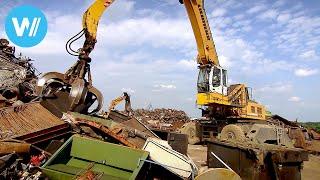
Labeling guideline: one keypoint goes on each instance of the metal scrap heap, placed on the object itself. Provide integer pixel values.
(165, 119)
(17, 76)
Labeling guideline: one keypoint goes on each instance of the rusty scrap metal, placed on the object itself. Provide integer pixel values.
(30, 122)
(130, 132)
(258, 161)
(164, 119)
(132, 122)
(17, 76)
(114, 132)
(314, 134)
(7, 147)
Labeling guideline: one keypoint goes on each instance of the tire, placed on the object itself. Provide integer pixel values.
(190, 130)
(232, 132)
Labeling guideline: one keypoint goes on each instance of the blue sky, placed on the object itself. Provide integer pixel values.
(147, 48)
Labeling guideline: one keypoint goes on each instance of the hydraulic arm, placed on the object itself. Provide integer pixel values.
(73, 90)
(207, 54)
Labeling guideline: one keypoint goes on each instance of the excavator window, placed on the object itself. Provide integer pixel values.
(203, 80)
(216, 77)
(224, 76)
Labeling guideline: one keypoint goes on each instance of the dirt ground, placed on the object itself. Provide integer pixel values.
(310, 171)
(198, 154)
(314, 146)
(311, 168)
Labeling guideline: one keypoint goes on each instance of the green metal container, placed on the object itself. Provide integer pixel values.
(81, 154)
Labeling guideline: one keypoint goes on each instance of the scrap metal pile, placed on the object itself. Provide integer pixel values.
(37, 143)
(17, 77)
(163, 119)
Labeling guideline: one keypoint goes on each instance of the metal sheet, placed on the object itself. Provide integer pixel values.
(258, 161)
(178, 142)
(26, 119)
(161, 153)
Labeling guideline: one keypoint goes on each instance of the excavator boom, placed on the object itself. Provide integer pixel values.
(90, 21)
(92, 16)
(206, 49)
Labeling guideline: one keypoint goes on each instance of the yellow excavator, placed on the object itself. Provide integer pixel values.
(229, 108)
(221, 104)
(218, 99)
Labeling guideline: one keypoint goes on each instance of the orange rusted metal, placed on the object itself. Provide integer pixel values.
(121, 138)
(9, 147)
(32, 118)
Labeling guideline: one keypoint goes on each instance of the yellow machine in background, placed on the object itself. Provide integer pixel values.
(228, 111)
(219, 101)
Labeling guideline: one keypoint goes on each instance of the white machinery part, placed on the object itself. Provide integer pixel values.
(162, 153)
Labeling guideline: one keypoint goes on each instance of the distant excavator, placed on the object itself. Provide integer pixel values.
(127, 107)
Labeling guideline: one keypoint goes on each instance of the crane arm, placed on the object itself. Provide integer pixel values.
(197, 15)
(90, 21)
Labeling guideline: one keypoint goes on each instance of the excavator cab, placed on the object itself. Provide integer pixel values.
(212, 79)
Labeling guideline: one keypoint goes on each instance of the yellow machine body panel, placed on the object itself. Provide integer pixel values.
(255, 110)
(204, 99)
(252, 110)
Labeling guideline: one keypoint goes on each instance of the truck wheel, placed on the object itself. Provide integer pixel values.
(232, 132)
(190, 130)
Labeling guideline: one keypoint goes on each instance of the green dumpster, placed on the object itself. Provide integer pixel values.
(80, 155)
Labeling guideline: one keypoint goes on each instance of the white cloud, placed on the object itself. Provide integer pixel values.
(231, 81)
(239, 17)
(256, 9)
(165, 86)
(188, 64)
(283, 18)
(304, 72)
(309, 55)
(169, 33)
(225, 62)
(279, 3)
(128, 90)
(119, 10)
(269, 14)
(190, 99)
(218, 12)
(294, 99)
(279, 87)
